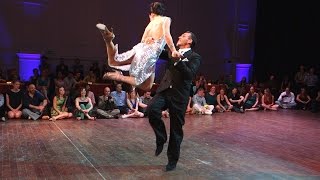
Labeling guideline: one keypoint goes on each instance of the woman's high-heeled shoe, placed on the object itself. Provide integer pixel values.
(116, 76)
(106, 34)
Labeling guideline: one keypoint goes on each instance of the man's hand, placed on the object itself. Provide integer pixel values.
(176, 55)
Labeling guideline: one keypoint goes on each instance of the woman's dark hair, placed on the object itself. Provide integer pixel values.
(157, 8)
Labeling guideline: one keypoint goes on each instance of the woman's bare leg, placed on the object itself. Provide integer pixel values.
(108, 36)
(117, 76)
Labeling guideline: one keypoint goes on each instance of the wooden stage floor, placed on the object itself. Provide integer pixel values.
(254, 145)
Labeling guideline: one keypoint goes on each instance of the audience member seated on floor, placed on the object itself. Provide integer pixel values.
(223, 102)
(34, 104)
(120, 99)
(200, 105)
(43, 83)
(267, 101)
(34, 78)
(106, 106)
(14, 101)
(145, 99)
(90, 95)
(236, 100)
(315, 104)
(59, 109)
(211, 96)
(2, 108)
(133, 103)
(84, 106)
(286, 99)
(251, 100)
(303, 100)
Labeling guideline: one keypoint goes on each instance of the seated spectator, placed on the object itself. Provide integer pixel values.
(91, 77)
(211, 96)
(106, 106)
(2, 108)
(267, 101)
(13, 75)
(119, 97)
(251, 100)
(242, 86)
(230, 83)
(34, 79)
(286, 99)
(90, 94)
(59, 109)
(311, 81)
(34, 104)
(145, 99)
(64, 69)
(303, 100)
(84, 106)
(14, 101)
(96, 70)
(78, 77)
(236, 100)
(285, 83)
(58, 81)
(201, 82)
(315, 105)
(200, 105)
(133, 104)
(223, 102)
(69, 84)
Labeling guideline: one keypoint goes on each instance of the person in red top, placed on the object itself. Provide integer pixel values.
(267, 101)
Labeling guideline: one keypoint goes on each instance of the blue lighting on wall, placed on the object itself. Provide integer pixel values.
(242, 70)
(27, 62)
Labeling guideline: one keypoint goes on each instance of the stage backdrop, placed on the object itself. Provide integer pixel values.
(66, 28)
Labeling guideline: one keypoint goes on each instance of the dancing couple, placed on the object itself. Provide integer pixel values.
(173, 91)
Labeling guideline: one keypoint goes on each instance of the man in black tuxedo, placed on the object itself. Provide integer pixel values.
(173, 93)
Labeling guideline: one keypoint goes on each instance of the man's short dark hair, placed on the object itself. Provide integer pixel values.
(193, 38)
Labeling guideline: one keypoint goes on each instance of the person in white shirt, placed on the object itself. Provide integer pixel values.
(286, 99)
(200, 105)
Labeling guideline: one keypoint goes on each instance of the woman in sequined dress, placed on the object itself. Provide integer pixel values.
(140, 61)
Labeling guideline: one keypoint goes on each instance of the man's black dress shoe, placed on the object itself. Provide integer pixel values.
(171, 166)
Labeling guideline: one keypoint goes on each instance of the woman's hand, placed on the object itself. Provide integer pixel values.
(176, 55)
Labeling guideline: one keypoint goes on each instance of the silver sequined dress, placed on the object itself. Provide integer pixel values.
(144, 59)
